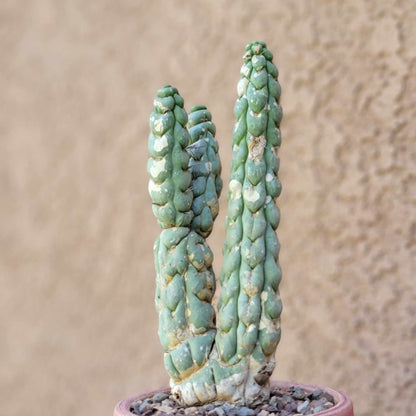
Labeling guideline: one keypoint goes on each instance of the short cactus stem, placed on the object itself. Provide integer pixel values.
(234, 361)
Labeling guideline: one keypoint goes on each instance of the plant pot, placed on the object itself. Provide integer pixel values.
(343, 405)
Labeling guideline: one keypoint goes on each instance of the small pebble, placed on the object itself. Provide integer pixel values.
(209, 407)
(274, 401)
(245, 411)
(328, 397)
(169, 402)
(135, 407)
(318, 409)
(316, 394)
(228, 407)
(263, 412)
(277, 391)
(320, 401)
(299, 394)
(159, 397)
(220, 411)
(145, 408)
(281, 403)
(328, 405)
(288, 399)
(291, 407)
(304, 407)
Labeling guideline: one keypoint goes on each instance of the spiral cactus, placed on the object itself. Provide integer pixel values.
(234, 361)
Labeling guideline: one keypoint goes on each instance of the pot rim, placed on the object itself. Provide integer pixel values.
(343, 404)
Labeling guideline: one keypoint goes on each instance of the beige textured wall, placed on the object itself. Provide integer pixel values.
(77, 322)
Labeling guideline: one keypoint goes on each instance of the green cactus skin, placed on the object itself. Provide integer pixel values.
(234, 361)
(185, 281)
(205, 166)
(250, 306)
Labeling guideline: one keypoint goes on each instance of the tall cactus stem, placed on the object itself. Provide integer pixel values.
(250, 306)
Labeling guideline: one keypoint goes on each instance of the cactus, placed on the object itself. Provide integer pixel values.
(234, 361)
(185, 281)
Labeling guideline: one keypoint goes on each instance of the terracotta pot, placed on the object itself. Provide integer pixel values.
(343, 405)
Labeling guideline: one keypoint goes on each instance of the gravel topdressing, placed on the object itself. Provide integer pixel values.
(283, 402)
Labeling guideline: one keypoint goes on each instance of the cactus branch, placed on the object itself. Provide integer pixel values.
(181, 179)
(205, 166)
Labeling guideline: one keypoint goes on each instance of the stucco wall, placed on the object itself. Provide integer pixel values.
(77, 321)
